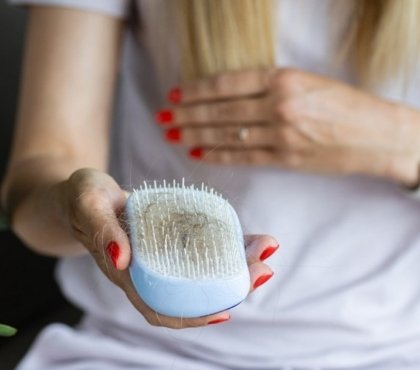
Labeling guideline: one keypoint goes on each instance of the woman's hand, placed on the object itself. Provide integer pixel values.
(296, 120)
(94, 203)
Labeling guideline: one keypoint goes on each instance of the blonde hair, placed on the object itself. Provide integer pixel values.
(386, 39)
(222, 35)
(383, 38)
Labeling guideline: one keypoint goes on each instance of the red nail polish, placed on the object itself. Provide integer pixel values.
(173, 135)
(164, 116)
(217, 321)
(175, 95)
(196, 153)
(268, 252)
(113, 250)
(262, 279)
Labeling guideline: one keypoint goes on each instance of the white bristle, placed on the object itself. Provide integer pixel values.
(184, 231)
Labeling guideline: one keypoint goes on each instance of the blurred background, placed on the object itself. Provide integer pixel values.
(29, 297)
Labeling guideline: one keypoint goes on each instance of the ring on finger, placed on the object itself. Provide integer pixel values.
(243, 133)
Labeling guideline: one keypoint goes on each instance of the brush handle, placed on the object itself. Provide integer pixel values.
(182, 297)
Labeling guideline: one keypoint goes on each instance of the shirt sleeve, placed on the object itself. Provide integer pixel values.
(113, 8)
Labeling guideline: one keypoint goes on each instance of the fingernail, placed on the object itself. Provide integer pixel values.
(173, 135)
(268, 252)
(262, 279)
(218, 321)
(164, 116)
(113, 251)
(175, 95)
(196, 153)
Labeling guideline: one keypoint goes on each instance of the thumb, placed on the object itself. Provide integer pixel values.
(115, 239)
(110, 240)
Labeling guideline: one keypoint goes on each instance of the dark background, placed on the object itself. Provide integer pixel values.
(29, 297)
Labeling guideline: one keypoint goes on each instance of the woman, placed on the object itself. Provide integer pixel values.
(305, 153)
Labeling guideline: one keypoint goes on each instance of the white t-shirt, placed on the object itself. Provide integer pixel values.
(346, 290)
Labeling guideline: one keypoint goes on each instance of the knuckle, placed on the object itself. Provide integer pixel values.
(201, 113)
(186, 115)
(286, 111)
(78, 175)
(221, 111)
(287, 80)
(82, 178)
(92, 199)
(190, 136)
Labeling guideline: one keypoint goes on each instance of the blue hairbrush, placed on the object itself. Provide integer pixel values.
(188, 256)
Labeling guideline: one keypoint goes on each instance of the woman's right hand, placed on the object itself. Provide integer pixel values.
(94, 207)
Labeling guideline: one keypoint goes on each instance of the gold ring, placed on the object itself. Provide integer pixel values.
(243, 133)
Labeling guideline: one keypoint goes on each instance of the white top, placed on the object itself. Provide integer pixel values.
(346, 293)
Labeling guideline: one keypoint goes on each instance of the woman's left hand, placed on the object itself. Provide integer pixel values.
(294, 119)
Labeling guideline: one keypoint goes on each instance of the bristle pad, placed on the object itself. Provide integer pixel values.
(185, 232)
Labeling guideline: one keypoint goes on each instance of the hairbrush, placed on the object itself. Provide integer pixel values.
(188, 255)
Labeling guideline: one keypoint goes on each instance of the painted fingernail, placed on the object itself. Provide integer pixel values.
(262, 279)
(113, 251)
(267, 252)
(175, 95)
(196, 153)
(173, 135)
(218, 321)
(164, 116)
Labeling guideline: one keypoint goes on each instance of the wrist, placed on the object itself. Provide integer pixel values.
(407, 121)
(37, 211)
(406, 154)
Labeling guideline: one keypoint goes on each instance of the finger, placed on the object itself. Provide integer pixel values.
(180, 323)
(260, 273)
(224, 85)
(98, 223)
(234, 112)
(232, 136)
(229, 156)
(259, 247)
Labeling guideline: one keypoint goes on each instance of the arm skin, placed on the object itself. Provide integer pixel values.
(69, 71)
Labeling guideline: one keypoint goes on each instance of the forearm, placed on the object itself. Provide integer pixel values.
(32, 195)
(69, 70)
